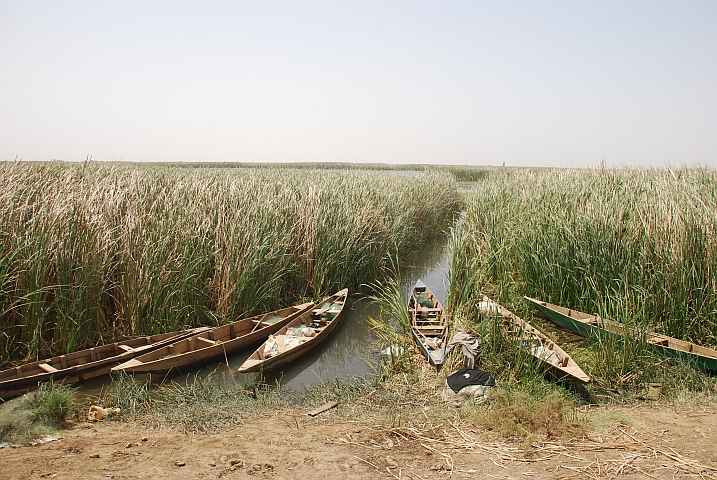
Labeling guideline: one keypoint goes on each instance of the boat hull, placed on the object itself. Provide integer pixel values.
(595, 328)
(213, 344)
(259, 362)
(82, 365)
(428, 324)
(557, 361)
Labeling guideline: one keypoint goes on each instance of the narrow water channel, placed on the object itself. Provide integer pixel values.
(352, 350)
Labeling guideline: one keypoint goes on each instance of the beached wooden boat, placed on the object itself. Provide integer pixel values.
(539, 345)
(428, 323)
(595, 327)
(299, 336)
(83, 364)
(214, 343)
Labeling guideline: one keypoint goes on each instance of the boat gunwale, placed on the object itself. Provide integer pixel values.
(703, 357)
(577, 372)
(441, 321)
(283, 358)
(208, 352)
(11, 387)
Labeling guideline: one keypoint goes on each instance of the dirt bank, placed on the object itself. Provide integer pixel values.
(659, 441)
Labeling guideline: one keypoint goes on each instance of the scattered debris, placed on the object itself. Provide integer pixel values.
(393, 351)
(98, 413)
(260, 468)
(43, 439)
(322, 408)
(179, 464)
(654, 391)
(125, 453)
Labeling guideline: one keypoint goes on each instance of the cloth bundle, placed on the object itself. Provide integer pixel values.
(469, 344)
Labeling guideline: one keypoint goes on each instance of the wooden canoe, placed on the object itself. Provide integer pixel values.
(214, 343)
(291, 342)
(595, 327)
(83, 364)
(539, 345)
(428, 323)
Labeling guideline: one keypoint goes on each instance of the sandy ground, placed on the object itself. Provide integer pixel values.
(646, 441)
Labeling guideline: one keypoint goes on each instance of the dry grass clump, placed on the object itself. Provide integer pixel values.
(518, 414)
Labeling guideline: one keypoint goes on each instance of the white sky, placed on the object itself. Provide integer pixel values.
(544, 83)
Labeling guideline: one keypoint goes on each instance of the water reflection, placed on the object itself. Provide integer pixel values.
(431, 264)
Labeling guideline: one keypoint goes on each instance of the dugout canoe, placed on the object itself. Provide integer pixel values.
(539, 345)
(83, 364)
(301, 335)
(595, 327)
(428, 323)
(215, 343)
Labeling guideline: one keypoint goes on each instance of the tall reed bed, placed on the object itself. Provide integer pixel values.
(89, 253)
(635, 245)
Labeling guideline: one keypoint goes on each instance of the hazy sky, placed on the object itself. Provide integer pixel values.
(545, 83)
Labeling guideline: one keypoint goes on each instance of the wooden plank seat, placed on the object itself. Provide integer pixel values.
(126, 348)
(47, 368)
(206, 340)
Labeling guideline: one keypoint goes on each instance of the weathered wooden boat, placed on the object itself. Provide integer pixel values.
(596, 327)
(428, 323)
(539, 345)
(83, 364)
(214, 343)
(299, 336)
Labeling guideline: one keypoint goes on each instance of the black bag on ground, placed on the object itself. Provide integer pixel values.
(468, 376)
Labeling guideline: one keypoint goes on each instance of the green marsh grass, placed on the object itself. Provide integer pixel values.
(95, 252)
(636, 246)
(200, 404)
(393, 324)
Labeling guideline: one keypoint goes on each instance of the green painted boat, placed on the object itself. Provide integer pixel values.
(594, 327)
